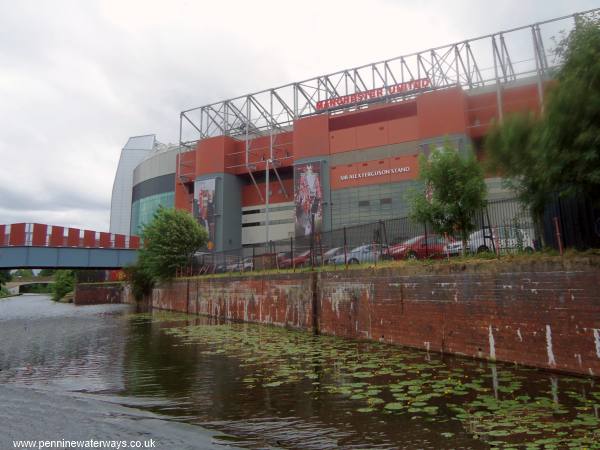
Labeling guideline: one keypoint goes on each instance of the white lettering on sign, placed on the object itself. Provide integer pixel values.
(374, 173)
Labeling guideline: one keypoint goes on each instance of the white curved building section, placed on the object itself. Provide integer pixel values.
(135, 150)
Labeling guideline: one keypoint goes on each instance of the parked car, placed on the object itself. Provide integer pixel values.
(329, 255)
(241, 266)
(430, 246)
(299, 260)
(283, 256)
(361, 254)
(486, 239)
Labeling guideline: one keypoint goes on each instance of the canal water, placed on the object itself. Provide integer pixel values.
(106, 372)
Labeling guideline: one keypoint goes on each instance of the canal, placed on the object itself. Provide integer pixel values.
(107, 372)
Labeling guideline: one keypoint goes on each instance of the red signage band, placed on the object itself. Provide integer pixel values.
(374, 173)
(359, 97)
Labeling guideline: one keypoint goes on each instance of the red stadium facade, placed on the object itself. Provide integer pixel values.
(342, 149)
(376, 145)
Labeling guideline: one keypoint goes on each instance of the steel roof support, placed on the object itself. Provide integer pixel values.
(498, 87)
(445, 66)
(538, 67)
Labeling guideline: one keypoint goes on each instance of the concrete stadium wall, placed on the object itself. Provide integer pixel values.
(543, 313)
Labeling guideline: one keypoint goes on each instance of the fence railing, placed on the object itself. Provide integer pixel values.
(503, 226)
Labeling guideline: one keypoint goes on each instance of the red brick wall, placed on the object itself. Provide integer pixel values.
(545, 315)
(538, 318)
(282, 300)
(97, 294)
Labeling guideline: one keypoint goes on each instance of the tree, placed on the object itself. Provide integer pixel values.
(23, 273)
(455, 191)
(5, 277)
(559, 150)
(64, 282)
(46, 272)
(140, 280)
(170, 241)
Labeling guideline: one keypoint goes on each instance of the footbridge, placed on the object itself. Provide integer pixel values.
(36, 245)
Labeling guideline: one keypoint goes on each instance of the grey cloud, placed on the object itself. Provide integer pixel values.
(49, 199)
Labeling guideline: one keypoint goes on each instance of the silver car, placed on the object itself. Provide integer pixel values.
(241, 266)
(364, 254)
(504, 237)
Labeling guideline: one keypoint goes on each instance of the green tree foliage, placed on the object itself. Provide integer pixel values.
(455, 191)
(170, 241)
(5, 277)
(23, 273)
(559, 151)
(64, 282)
(140, 280)
(46, 272)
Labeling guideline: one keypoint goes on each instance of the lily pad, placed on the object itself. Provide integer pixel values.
(394, 406)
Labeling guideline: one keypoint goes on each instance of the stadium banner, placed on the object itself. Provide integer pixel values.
(308, 198)
(206, 208)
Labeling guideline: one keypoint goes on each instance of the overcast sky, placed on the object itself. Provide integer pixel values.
(77, 78)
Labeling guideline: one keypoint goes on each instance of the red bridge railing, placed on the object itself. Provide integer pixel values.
(42, 235)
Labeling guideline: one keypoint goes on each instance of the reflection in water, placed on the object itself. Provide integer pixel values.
(272, 387)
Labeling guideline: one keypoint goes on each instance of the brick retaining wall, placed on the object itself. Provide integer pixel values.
(96, 293)
(548, 319)
(540, 313)
(282, 300)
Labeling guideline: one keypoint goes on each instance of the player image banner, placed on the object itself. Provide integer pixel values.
(206, 208)
(308, 198)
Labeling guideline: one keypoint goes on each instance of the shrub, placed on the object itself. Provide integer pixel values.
(64, 282)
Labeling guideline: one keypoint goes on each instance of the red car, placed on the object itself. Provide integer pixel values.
(299, 260)
(419, 247)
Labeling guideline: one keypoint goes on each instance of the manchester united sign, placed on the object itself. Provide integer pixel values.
(360, 97)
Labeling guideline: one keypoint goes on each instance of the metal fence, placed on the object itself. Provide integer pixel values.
(502, 226)
(571, 222)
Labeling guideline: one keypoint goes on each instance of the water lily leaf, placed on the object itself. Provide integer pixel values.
(394, 406)
(431, 409)
(372, 392)
(498, 433)
(362, 374)
(365, 410)
(419, 404)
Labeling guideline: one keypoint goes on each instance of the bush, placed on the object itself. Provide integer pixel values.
(141, 281)
(5, 277)
(36, 289)
(64, 282)
(46, 272)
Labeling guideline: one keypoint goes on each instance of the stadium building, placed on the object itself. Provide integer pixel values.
(340, 149)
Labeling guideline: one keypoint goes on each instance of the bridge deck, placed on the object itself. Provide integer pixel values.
(64, 257)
